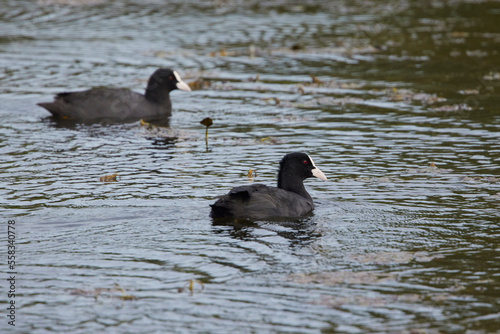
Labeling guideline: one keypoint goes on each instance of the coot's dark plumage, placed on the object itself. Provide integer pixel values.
(119, 104)
(258, 201)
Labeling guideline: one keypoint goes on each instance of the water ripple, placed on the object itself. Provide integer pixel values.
(404, 233)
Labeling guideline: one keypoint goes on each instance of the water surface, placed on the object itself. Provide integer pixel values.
(397, 103)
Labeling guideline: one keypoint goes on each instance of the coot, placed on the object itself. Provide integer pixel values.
(257, 201)
(119, 104)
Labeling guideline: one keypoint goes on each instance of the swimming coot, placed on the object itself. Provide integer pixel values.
(258, 201)
(119, 104)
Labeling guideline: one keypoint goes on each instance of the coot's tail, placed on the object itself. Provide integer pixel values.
(51, 107)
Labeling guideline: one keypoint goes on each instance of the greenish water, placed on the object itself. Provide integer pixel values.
(374, 92)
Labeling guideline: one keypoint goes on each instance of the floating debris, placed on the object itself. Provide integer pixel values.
(109, 178)
(273, 100)
(190, 286)
(476, 53)
(207, 121)
(162, 135)
(251, 174)
(393, 257)
(327, 101)
(459, 34)
(145, 124)
(270, 141)
(490, 179)
(315, 80)
(298, 50)
(428, 170)
(453, 108)
(225, 53)
(469, 92)
(408, 96)
(103, 292)
(492, 76)
(320, 98)
(343, 277)
(381, 179)
(253, 79)
(363, 300)
(199, 84)
(69, 2)
(251, 51)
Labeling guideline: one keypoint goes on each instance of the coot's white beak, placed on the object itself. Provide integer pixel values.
(181, 84)
(316, 172)
(319, 174)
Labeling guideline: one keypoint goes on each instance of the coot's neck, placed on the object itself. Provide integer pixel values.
(157, 95)
(293, 183)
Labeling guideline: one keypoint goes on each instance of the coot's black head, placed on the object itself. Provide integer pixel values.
(294, 169)
(162, 82)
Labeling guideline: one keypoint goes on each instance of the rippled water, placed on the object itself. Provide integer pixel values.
(397, 103)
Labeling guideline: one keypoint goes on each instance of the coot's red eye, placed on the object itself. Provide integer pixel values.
(170, 78)
(304, 162)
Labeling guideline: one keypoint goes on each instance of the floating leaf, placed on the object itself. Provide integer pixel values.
(251, 174)
(108, 178)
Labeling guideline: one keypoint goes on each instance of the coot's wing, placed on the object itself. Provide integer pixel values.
(260, 202)
(96, 103)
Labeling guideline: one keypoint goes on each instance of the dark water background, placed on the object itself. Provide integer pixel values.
(395, 244)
